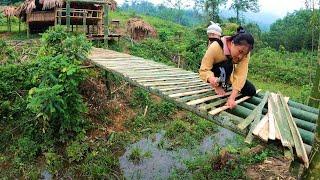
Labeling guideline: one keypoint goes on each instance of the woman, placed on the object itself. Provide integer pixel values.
(229, 65)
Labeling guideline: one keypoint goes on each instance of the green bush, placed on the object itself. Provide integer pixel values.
(40, 100)
(282, 66)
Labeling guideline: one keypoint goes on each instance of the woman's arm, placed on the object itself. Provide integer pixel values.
(239, 75)
(207, 62)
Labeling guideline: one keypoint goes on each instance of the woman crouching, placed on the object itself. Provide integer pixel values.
(228, 65)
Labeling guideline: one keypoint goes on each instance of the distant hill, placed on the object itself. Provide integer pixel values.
(263, 19)
(189, 17)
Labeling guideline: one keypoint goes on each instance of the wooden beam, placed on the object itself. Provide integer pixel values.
(218, 110)
(68, 10)
(300, 149)
(106, 24)
(202, 100)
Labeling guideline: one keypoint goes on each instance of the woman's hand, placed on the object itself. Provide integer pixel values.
(219, 90)
(214, 81)
(231, 102)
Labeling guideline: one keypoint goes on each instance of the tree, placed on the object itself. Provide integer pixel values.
(292, 32)
(314, 99)
(212, 9)
(314, 20)
(179, 5)
(244, 6)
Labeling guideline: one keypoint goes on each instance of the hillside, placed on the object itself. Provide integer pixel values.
(64, 118)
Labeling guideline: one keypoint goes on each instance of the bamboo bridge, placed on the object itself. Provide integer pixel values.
(186, 90)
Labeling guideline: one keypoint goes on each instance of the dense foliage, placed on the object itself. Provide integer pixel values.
(294, 32)
(40, 102)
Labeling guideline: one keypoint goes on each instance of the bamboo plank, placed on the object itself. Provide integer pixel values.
(170, 83)
(206, 107)
(165, 79)
(296, 113)
(165, 75)
(284, 133)
(186, 89)
(218, 110)
(300, 123)
(264, 133)
(189, 93)
(256, 112)
(284, 120)
(272, 128)
(192, 97)
(171, 88)
(278, 135)
(260, 125)
(300, 149)
(202, 100)
(135, 68)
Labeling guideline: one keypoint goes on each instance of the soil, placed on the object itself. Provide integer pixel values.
(271, 168)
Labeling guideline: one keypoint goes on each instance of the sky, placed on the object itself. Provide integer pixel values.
(277, 7)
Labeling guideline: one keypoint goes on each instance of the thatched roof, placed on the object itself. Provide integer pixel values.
(138, 24)
(9, 11)
(28, 5)
(49, 4)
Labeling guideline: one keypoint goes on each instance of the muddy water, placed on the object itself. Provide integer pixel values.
(162, 162)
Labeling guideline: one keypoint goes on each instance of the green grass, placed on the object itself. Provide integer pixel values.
(297, 93)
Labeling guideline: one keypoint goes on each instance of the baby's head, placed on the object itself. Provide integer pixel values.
(214, 30)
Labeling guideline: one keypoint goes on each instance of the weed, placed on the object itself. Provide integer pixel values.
(136, 155)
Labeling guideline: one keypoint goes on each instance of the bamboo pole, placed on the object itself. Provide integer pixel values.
(314, 99)
(216, 111)
(256, 112)
(68, 15)
(314, 169)
(297, 113)
(106, 24)
(300, 150)
(84, 21)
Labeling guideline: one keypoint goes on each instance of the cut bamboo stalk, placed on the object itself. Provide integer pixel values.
(256, 112)
(300, 123)
(202, 100)
(300, 149)
(272, 128)
(285, 137)
(284, 121)
(297, 113)
(264, 133)
(260, 125)
(257, 118)
(189, 93)
(216, 111)
(277, 135)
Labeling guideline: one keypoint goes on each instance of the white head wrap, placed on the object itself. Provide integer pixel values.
(214, 28)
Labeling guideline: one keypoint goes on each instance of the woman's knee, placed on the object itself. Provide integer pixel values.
(248, 89)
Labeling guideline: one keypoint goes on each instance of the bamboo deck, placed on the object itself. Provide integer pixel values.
(185, 89)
